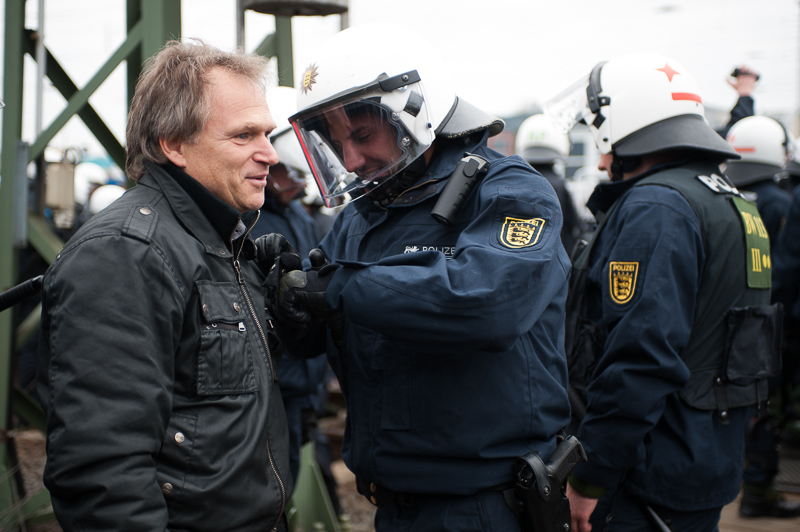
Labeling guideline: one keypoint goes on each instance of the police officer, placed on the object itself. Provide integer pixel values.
(765, 149)
(664, 426)
(547, 149)
(450, 354)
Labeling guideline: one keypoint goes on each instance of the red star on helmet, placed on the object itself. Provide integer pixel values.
(669, 71)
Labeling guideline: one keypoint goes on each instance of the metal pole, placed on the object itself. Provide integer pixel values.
(12, 131)
(41, 69)
(239, 24)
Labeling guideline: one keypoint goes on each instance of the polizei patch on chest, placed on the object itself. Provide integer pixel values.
(622, 280)
(521, 233)
(447, 251)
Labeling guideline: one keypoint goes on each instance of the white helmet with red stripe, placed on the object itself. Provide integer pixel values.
(639, 104)
(764, 145)
(760, 139)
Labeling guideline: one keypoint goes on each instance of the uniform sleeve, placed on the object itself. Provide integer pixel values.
(111, 322)
(744, 107)
(647, 287)
(508, 267)
(786, 262)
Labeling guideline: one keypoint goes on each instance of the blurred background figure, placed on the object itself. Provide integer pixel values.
(546, 149)
(743, 79)
(765, 148)
(302, 380)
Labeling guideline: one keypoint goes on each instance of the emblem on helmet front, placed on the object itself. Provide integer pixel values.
(519, 233)
(622, 280)
(309, 78)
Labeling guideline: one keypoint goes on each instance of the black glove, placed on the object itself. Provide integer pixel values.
(301, 295)
(273, 247)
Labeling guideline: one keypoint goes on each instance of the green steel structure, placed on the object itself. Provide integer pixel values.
(150, 23)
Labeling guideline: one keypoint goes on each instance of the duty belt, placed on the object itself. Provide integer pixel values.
(380, 496)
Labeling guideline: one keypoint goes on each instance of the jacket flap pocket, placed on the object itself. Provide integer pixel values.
(219, 301)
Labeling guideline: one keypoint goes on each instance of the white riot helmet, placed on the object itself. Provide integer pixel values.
(640, 104)
(792, 167)
(375, 86)
(103, 197)
(88, 176)
(282, 102)
(539, 141)
(763, 144)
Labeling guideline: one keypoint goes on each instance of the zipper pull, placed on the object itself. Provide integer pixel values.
(242, 327)
(238, 271)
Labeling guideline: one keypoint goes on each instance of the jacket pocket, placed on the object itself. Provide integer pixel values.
(224, 362)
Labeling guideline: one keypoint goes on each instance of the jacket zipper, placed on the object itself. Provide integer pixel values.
(253, 313)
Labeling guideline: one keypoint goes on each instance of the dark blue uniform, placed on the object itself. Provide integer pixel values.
(453, 355)
(762, 458)
(773, 204)
(642, 440)
(300, 379)
(786, 275)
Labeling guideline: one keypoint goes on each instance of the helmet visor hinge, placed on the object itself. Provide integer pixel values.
(400, 80)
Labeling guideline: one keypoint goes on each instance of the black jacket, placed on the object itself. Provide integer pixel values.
(156, 371)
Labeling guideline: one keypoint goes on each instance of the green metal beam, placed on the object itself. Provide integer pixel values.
(283, 29)
(279, 44)
(43, 239)
(62, 82)
(81, 98)
(12, 132)
(162, 23)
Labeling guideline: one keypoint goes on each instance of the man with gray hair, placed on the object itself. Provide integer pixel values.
(158, 361)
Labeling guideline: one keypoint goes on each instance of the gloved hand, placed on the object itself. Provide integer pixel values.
(301, 295)
(273, 247)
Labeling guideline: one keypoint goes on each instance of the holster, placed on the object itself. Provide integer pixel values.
(539, 497)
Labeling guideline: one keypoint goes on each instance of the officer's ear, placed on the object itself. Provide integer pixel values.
(174, 151)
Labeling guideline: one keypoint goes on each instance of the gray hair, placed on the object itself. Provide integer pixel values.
(171, 100)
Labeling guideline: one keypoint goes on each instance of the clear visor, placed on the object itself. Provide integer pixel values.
(570, 107)
(354, 147)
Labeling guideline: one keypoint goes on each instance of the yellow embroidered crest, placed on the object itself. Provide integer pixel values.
(518, 233)
(309, 78)
(622, 280)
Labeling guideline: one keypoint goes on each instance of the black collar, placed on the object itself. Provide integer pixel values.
(224, 218)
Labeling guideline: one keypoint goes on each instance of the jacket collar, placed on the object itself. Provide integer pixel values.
(605, 194)
(213, 222)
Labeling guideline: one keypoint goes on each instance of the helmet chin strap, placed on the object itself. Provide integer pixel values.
(385, 194)
(623, 165)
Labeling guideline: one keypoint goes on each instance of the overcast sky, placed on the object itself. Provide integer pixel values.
(505, 56)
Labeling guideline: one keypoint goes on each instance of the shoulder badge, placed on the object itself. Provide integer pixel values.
(758, 255)
(622, 280)
(519, 233)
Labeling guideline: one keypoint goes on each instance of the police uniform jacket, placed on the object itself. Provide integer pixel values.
(452, 362)
(645, 271)
(156, 372)
(786, 275)
(773, 203)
